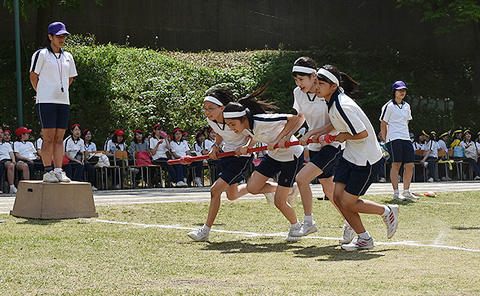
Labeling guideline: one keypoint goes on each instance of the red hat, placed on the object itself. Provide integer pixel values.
(22, 130)
(138, 131)
(200, 132)
(185, 133)
(209, 129)
(155, 126)
(7, 131)
(177, 130)
(119, 132)
(73, 126)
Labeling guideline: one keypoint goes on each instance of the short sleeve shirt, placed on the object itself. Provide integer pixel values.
(161, 150)
(73, 147)
(230, 138)
(396, 116)
(5, 149)
(25, 149)
(180, 148)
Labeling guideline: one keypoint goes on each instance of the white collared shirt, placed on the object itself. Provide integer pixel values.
(396, 116)
(266, 128)
(231, 140)
(180, 148)
(431, 145)
(347, 116)
(5, 149)
(161, 150)
(73, 147)
(25, 149)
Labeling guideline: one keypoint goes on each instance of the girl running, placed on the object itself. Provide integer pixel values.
(233, 167)
(248, 115)
(323, 159)
(360, 160)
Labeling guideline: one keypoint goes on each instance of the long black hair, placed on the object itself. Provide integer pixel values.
(251, 102)
(304, 62)
(224, 95)
(346, 82)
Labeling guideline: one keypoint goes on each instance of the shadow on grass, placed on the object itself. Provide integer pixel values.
(328, 253)
(40, 222)
(406, 202)
(466, 228)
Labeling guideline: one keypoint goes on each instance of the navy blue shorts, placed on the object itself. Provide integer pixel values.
(270, 167)
(53, 115)
(401, 151)
(356, 178)
(233, 168)
(326, 159)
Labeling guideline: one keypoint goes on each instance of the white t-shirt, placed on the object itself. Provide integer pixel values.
(442, 145)
(266, 128)
(5, 149)
(347, 116)
(112, 147)
(161, 150)
(54, 71)
(90, 147)
(315, 112)
(431, 145)
(25, 149)
(199, 148)
(180, 148)
(230, 138)
(396, 116)
(73, 147)
(38, 143)
(208, 144)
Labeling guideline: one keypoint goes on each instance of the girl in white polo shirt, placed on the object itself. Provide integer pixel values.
(360, 160)
(323, 159)
(7, 163)
(179, 148)
(51, 73)
(233, 167)
(26, 155)
(394, 119)
(248, 115)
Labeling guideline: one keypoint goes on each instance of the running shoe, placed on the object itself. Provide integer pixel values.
(391, 220)
(198, 182)
(13, 189)
(181, 184)
(290, 237)
(62, 177)
(293, 195)
(200, 234)
(359, 244)
(270, 196)
(348, 234)
(397, 196)
(50, 177)
(409, 195)
(305, 229)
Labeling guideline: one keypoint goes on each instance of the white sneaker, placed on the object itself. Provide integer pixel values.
(396, 196)
(382, 180)
(198, 182)
(293, 195)
(62, 177)
(425, 164)
(117, 186)
(290, 237)
(50, 177)
(359, 244)
(270, 196)
(430, 180)
(305, 229)
(348, 234)
(181, 184)
(94, 188)
(391, 220)
(476, 178)
(200, 235)
(409, 195)
(13, 189)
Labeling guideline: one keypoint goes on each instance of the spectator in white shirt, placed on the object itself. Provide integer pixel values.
(180, 148)
(7, 163)
(26, 155)
(87, 141)
(430, 155)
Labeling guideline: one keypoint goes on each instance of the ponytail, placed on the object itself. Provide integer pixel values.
(348, 84)
(248, 105)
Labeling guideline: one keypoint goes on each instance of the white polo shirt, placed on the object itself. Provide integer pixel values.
(230, 138)
(442, 145)
(396, 116)
(208, 144)
(54, 71)
(90, 147)
(5, 149)
(25, 149)
(38, 143)
(315, 112)
(266, 127)
(347, 116)
(431, 145)
(180, 148)
(72, 147)
(161, 150)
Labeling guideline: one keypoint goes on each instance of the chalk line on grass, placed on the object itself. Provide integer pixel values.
(282, 234)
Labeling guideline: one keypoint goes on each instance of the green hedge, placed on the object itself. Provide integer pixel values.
(131, 88)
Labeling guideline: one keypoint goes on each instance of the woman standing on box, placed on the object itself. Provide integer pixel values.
(51, 73)
(360, 161)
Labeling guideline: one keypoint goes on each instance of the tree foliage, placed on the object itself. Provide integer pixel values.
(27, 6)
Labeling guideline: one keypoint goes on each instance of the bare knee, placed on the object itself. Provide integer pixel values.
(252, 189)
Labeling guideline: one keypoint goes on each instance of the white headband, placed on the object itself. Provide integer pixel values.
(213, 100)
(236, 114)
(329, 75)
(302, 69)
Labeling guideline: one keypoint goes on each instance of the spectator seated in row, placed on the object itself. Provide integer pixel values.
(26, 155)
(179, 148)
(7, 163)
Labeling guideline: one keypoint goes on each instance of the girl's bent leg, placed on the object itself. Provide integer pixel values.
(215, 193)
(284, 207)
(258, 184)
(304, 177)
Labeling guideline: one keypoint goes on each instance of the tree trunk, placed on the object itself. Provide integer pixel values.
(44, 18)
(476, 66)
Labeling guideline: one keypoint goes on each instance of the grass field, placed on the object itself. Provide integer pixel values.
(434, 252)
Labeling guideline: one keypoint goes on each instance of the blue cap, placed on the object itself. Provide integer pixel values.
(399, 85)
(57, 28)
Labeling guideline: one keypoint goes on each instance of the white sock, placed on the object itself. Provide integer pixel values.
(206, 227)
(308, 219)
(58, 170)
(295, 225)
(386, 211)
(406, 190)
(364, 235)
(396, 191)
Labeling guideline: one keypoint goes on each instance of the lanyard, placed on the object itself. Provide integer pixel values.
(60, 69)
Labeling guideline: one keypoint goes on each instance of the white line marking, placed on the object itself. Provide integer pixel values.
(254, 234)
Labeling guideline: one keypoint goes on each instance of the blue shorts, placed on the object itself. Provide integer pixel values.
(326, 159)
(233, 168)
(53, 115)
(270, 167)
(356, 178)
(401, 151)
